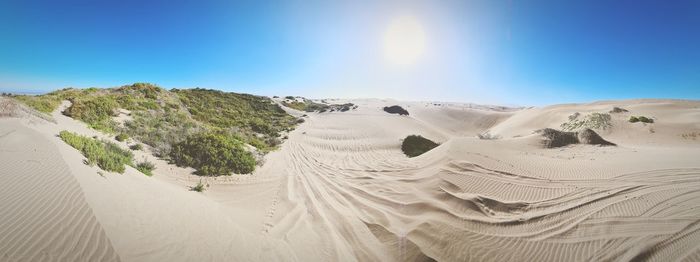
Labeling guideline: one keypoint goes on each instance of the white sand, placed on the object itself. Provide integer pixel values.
(45, 216)
(341, 190)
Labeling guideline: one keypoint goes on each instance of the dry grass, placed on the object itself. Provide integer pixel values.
(593, 121)
(10, 107)
(691, 135)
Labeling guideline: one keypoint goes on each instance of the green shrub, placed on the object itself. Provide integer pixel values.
(311, 106)
(146, 167)
(643, 119)
(618, 110)
(121, 137)
(49, 102)
(257, 143)
(160, 129)
(591, 121)
(415, 145)
(248, 114)
(395, 110)
(95, 111)
(107, 155)
(295, 105)
(136, 147)
(145, 90)
(316, 107)
(213, 154)
(163, 119)
(45, 104)
(199, 187)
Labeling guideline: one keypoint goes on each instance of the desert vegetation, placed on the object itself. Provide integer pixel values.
(488, 136)
(199, 187)
(553, 138)
(121, 137)
(643, 119)
(691, 135)
(617, 110)
(416, 145)
(44, 103)
(226, 110)
(145, 167)
(213, 154)
(592, 121)
(96, 111)
(166, 119)
(307, 105)
(301, 106)
(395, 110)
(107, 155)
(8, 108)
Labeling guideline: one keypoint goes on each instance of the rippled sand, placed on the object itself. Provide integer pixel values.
(340, 189)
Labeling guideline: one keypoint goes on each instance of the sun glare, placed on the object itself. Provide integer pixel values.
(404, 41)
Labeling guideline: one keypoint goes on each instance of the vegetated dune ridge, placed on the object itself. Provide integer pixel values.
(340, 189)
(145, 219)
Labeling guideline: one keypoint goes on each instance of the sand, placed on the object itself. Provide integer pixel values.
(45, 216)
(340, 189)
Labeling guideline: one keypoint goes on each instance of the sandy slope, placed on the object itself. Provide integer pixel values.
(145, 219)
(341, 190)
(45, 216)
(346, 189)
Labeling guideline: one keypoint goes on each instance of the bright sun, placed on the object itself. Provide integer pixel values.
(404, 41)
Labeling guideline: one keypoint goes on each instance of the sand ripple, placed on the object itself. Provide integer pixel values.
(349, 185)
(44, 214)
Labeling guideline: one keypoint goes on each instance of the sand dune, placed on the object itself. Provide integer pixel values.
(467, 199)
(45, 216)
(340, 189)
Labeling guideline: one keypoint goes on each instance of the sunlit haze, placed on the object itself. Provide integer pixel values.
(404, 41)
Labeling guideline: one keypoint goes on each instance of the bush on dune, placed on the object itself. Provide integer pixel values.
(643, 119)
(248, 114)
(160, 129)
(45, 104)
(301, 106)
(198, 188)
(145, 167)
(95, 111)
(395, 110)
(108, 156)
(553, 138)
(213, 154)
(592, 121)
(617, 110)
(166, 119)
(121, 137)
(415, 145)
(309, 105)
(49, 102)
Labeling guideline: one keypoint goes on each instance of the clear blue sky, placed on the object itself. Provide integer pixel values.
(506, 52)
